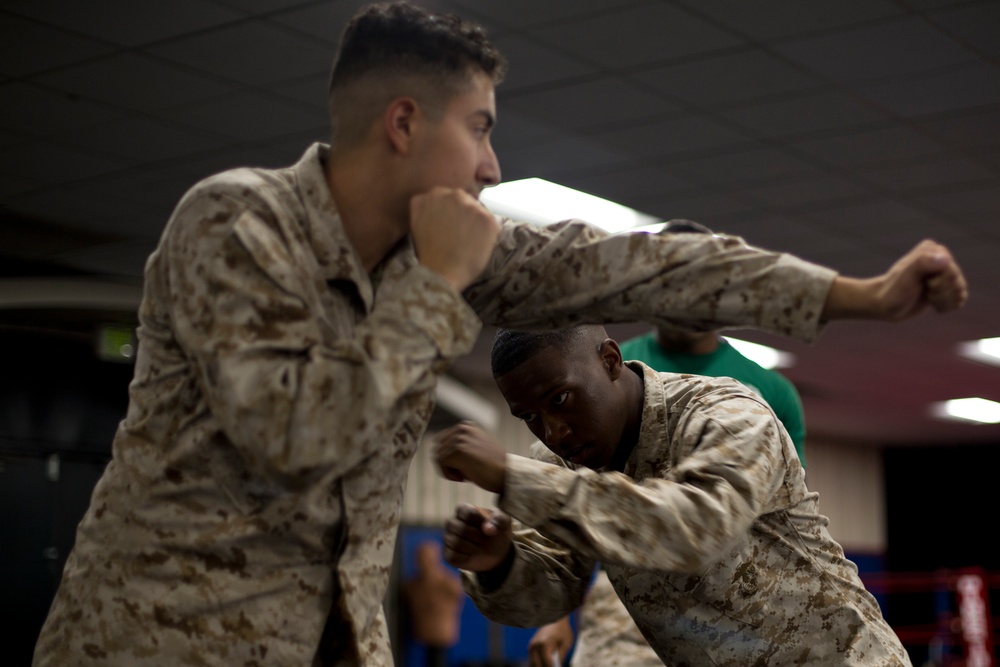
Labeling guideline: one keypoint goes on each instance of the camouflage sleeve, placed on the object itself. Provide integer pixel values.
(296, 397)
(545, 583)
(727, 464)
(571, 273)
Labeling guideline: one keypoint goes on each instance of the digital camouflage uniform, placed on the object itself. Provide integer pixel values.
(607, 635)
(709, 536)
(280, 392)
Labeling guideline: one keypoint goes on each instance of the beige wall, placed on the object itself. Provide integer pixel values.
(848, 479)
(851, 491)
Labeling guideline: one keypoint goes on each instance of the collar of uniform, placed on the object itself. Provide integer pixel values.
(654, 420)
(336, 256)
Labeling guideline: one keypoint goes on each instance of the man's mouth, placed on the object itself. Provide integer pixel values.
(573, 453)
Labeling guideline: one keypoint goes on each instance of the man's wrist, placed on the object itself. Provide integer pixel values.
(490, 580)
(852, 298)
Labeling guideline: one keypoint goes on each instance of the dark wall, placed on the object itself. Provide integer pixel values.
(941, 505)
(59, 408)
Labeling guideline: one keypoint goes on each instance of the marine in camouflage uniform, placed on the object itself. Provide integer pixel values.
(280, 393)
(708, 532)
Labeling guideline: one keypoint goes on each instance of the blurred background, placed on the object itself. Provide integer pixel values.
(843, 132)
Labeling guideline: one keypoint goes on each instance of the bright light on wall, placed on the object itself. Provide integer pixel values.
(768, 357)
(978, 410)
(543, 203)
(986, 350)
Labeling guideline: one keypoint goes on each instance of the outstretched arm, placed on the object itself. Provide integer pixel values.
(926, 277)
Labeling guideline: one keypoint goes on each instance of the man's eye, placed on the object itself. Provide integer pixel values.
(528, 418)
(561, 398)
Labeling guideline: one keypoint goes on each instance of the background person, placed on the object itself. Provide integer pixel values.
(434, 599)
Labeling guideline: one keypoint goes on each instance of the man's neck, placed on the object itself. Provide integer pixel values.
(635, 401)
(373, 218)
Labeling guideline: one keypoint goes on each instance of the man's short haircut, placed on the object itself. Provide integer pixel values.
(402, 49)
(513, 348)
(681, 226)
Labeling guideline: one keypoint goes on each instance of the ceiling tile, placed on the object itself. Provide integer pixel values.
(982, 199)
(627, 185)
(877, 212)
(603, 102)
(155, 188)
(870, 146)
(515, 130)
(133, 81)
(810, 113)
(530, 64)
(929, 175)
(754, 164)
(805, 193)
(976, 128)
(142, 140)
(127, 22)
(969, 86)
(28, 47)
(231, 157)
(525, 13)
(40, 112)
(248, 117)
(747, 75)
(676, 137)
(976, 25)
(769, 19)
(52, 163)
(311, 90)
(557, 158)
(75, 205)
(325, 20)
(887, 49)
(254, 53)
(705, 205)
(265, 6)
(636, 35)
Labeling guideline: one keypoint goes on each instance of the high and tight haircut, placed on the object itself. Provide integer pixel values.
(681, 226)
(512, 348)
(410, 46)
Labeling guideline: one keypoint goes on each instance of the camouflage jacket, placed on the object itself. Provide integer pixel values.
(250, 510)
(709, 536)
(607, 636)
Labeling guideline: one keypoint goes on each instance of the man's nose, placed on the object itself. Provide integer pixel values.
(489, 168)
(556, 431)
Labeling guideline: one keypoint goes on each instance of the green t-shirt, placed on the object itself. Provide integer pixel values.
(773, 387)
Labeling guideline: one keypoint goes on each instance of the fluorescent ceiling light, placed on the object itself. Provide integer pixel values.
(768, 357)
(978, 410)
(986, 350)
(542, 202)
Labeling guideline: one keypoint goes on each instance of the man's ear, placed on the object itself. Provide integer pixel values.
(611, 355)
(400, 119)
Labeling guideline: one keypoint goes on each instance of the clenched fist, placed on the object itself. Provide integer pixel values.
(453, 234)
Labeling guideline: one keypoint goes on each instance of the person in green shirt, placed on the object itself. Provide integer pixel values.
(708, 353)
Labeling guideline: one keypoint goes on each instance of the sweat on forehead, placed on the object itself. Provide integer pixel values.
(513, 348)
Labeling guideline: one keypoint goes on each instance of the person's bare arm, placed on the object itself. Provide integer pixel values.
(926, 277)
(550, 644)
